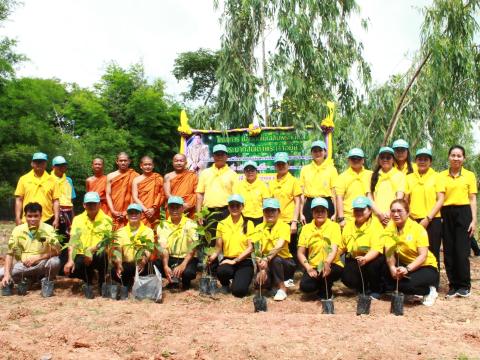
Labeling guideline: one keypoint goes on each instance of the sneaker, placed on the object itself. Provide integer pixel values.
(280, 295)
(375, 296)
(289, 283)
(451, 293)
(463, 292)
(429, 300)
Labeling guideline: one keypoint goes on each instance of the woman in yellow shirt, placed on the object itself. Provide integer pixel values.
(402, 156)
(320, 239)
(386, 185)
(410, 262)
(459, 213)
(234, 240)
(363, 244)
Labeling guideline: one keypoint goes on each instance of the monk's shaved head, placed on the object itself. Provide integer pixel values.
(146, 158)
(178, 155)
(97, 160)
(179, 162)
(123, 153)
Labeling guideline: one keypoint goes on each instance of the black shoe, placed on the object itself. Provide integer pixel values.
(451, 293)
(224, 290)
(463, 292)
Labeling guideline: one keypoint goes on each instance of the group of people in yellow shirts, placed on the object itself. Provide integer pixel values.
(370, 229)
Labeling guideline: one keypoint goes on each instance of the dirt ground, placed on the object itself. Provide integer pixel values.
(189, 326)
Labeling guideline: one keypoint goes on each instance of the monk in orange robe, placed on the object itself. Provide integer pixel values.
(98, 183)
(182, 182)
(119, 190)
(147, 191)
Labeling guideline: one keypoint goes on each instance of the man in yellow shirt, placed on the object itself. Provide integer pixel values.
(215, 185)
(87, 231)
(38, 186)
(34, 245)
(177, 236)
(253, 191)
(276, 262)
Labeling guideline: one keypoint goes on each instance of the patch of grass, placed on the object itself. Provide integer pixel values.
(462, 357)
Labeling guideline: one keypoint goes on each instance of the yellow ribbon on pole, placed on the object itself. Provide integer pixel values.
(327, 126)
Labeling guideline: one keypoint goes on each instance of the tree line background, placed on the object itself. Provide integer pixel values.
(316, 58)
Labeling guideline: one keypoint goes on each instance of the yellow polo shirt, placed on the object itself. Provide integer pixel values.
(423, 190)
(318, 180)
(285, 190)
(368, 235)
(387, 187)
(129, 240)
(253, 195)
(412, 236)
(89, 232)
(67, 192)
(404, 170)
(177, 239)
(25, 243)
(350, 185)
(313, 238)
(216, 185)
(43, 190)
(459, 188)
(235, 241)
(268, 237)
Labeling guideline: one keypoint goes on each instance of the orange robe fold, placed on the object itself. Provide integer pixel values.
(184, 185)
(99, 185)
(151, 194)
(121, 192)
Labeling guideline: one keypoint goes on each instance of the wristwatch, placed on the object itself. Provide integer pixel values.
(340, 219)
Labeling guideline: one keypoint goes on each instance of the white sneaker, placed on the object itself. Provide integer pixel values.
(429, 300)
(280, 295)
(289, 283)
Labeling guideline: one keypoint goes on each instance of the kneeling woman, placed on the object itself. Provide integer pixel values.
(363, 243)
(321, 239)
(411, 263)
(234, 240)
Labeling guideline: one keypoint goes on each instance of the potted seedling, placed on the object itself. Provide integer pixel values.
(7, 290)
(327, 304)
(259, 301)
(78, 248)
(109, 246)
(22, 286)
(50, 244)
(398, 298)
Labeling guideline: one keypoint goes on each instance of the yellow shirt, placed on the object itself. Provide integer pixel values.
(368, 235)
(459, 188)
(66, 190)
(24, 243)
(216, 185)
(90, 232)
(268, 238)
(423, 190)
(313, 238)
(285, 190)
(129, 240)
(234, 240)
(42, 190)
(387, 186)
(350, 185)
(404, 170)
(177, 239)
(412, 236)
(253, 195)
(318, 180)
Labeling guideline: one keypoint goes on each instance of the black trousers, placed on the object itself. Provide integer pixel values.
(434, 230)
(374, 273)
(456, 245)
(419, 281)
(279, 269)
(292, 247)
(256, 221)
(241, 273)
(86, 273)
(307, 211)
(128, 274)
(188, 275)
(309, 284)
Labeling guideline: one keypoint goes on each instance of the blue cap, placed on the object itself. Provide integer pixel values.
(59, 160)
(361, 202)
(250, 163)
(39, 156)
(400, 143)
(281, 157)
(175, 200)
(424, 151)
(91, 197)
(320, 144)
(135, 207)
(236, 197)
(385, 149)
(356, 152)
(319, 201)
(220, 147)
(271, 203)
